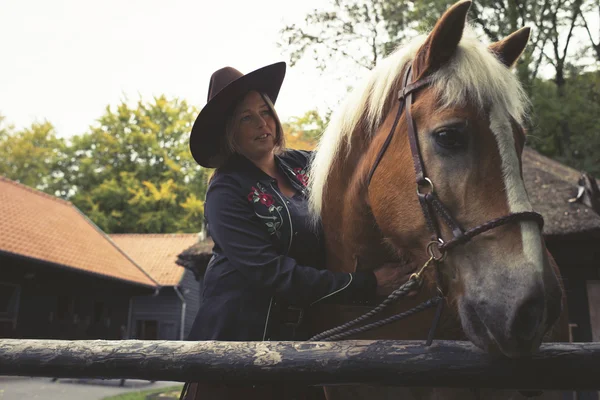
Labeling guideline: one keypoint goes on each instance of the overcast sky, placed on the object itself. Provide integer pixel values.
(65, 60)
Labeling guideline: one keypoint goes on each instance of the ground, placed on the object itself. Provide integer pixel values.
(19, 388)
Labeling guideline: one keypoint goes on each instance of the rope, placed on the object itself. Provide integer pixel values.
(423, 306)
(395, 295)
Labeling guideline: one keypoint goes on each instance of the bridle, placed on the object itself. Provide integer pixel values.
(431, 206)
(430, 203)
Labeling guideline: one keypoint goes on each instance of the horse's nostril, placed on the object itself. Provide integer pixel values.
(527, 318)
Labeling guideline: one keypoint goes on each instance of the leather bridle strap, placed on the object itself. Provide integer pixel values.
(402, 94)
(506, 219)
(421, 180)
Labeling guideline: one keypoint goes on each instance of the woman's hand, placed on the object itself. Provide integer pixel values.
(391, 276)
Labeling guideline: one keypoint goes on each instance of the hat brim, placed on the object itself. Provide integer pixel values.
(208, 129)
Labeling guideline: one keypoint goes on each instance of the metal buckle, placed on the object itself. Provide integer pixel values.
(435, 251)
(425, 184)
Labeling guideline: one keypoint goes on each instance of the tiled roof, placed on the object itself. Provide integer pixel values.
(157, 253)
(36, 225)
(550, 185)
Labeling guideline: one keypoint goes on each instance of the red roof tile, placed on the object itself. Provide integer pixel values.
(36, 225)
(157, 253)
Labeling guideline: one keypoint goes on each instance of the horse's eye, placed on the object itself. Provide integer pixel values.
(451, 139)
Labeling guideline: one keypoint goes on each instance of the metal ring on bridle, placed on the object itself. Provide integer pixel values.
(420, 185)
(441, 254)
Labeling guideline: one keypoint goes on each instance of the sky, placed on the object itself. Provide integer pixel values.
(65, 60)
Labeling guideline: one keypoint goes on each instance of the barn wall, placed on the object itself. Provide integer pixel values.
(63, 303)
(192, 291)
(578, 258)
(159, 316)
(593, 292)
(156, 316)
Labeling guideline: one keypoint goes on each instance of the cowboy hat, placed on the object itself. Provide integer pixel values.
(228, 86)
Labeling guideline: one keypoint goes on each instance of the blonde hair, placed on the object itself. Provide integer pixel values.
(230, 147)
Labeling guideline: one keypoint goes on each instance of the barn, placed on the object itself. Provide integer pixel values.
(169, 313)
(60, 275)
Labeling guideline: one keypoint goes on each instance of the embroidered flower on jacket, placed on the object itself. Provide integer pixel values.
(274, 218)
(256, 195)
(266, 199)
(301, 176)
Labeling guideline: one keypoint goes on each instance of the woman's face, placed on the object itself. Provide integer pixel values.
(255, 136)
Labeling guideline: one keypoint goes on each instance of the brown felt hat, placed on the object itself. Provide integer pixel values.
(228, 86)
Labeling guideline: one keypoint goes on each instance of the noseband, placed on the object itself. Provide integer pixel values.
(431, 206)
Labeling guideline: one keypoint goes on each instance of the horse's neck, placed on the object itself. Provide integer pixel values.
(352, 236)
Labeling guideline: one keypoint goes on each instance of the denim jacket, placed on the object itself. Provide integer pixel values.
(251, 225)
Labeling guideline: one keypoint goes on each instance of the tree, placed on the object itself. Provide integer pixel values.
(364, 32)
(4, 128)
(589, 11)
(311, 124)
(304, 132)
(133, 171)
(126, 204)
(33, 156)
(578, 107)
(359, 31)
(497, 19)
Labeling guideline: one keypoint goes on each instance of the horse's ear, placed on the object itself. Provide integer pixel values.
(509, 49)
(442, 42)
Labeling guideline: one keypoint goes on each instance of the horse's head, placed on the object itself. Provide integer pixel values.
(468, 127)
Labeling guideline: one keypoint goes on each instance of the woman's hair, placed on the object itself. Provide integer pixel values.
(232, 125)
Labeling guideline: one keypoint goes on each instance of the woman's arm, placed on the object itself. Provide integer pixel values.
(247, 245)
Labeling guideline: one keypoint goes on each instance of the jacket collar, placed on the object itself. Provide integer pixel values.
(241, 163)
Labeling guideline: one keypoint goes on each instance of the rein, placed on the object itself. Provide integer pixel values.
(431, 206)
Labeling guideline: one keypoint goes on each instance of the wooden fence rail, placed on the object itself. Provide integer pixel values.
(561, 366)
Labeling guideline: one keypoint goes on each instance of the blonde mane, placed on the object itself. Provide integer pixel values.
(474, 75)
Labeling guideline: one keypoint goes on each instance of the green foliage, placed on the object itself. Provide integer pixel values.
(4, 128)
(311, 125)
(33, 156)
(578, 111)
(133, 171)
(304, 132)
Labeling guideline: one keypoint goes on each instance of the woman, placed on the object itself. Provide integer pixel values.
(268, 259)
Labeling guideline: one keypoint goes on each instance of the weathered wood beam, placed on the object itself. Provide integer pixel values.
(561, 366)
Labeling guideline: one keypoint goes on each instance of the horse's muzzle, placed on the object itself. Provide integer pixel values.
(513, 326)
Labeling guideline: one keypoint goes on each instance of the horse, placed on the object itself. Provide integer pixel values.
(422, 162)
